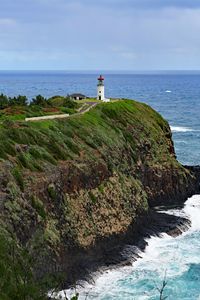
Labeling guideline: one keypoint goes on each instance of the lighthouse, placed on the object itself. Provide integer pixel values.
(100, 89)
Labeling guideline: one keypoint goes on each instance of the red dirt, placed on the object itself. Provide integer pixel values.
(50, 109)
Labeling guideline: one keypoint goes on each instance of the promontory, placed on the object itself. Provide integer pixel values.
(73, 189)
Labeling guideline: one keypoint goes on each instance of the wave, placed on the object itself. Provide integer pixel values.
(168, 91)
(164, 254)
(192, 210)
(181, 129)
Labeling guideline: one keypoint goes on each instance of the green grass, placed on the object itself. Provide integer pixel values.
(19, 113)
(57, 101)
(38, 205)
(107, 128)
(113, 140)
(18, 177)
(88, 100)
(93, 100)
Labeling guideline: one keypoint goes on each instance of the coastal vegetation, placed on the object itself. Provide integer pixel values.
(70, 185)
(19, 108)
(51, 141)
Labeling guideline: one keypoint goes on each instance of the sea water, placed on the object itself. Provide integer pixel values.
(175, 260)
(177, 97)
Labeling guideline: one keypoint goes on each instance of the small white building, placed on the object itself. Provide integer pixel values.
(101, 90)
(77, 97)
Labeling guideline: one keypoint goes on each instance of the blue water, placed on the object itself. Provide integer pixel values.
(176, 260)
(177, 98)
(181, 107)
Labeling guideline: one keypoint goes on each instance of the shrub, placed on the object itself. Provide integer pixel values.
(58, 151)
(72, 146)
(40, 101)
(69, 111)
(16, 172)
(92, 197)
(38, 205)
(52, 191)
(101, 188)
(18, 101)
(41, 154)
(18, 281)
(23, 160)
(7, 123)
(57, 101)
(70, 103)
(3, 101)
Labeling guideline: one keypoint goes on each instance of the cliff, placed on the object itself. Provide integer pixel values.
(79, 186)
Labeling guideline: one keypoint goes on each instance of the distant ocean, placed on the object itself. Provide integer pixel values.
(177, 97)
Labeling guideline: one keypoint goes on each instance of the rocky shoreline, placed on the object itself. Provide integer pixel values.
(82, 190)
(124, 250)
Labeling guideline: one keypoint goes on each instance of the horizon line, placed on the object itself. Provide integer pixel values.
(102, 70)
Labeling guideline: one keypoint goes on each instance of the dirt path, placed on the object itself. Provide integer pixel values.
(82, 110)
(86, 109)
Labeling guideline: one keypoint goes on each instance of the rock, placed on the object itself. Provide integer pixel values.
(89, 187)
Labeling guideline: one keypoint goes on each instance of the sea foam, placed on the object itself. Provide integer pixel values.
(181, 129)
(192, 210)
(175, 257)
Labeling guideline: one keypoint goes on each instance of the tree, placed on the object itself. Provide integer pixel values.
(3, 101)
(70, 103)
(17, 277)
(40, 101)
(18, 101)
(22, 100)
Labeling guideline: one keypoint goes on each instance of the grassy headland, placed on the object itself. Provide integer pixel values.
(19, 108)
(54, 140)
(66, 185)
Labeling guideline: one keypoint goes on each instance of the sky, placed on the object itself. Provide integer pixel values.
(100, 35)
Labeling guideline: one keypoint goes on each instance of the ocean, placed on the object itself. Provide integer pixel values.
(177, 97)
(175, 260)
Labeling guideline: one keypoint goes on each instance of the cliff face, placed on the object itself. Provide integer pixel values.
(75, 186)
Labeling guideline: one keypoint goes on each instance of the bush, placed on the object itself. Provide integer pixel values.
(70, 103)
(38, 205)
(57, 150)
(92, 197)
(18, 101)
(8, 123)
(18, 177)
(41, 154)
(57, 101)
(72, 146)
(40, 101)
(3, 101)
(18, 281)
(52, 191)
(69, 111)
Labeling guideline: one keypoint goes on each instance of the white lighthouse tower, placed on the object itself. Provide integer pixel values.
(100, 89)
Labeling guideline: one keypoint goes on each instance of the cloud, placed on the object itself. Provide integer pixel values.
(145, 4)
(6, 22)
(135, 4)
(106, 34)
